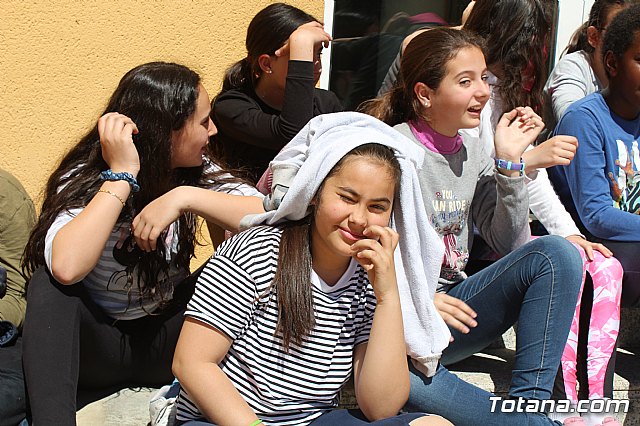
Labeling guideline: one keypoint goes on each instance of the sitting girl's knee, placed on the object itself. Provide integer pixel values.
(613, 265)
(558, 247)
(431, 421)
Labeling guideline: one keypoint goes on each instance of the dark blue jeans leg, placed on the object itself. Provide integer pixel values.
(12, 393)
(536, 285)
(462, 403)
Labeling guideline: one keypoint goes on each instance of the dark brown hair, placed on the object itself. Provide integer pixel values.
(267, 32)
(424, 60)
(517, 34)
(292, 283)
(597, 17)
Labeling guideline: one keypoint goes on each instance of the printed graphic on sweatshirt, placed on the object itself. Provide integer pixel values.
(625, 187)
(449, 218)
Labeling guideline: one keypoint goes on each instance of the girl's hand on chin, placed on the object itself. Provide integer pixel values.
(375, 254)
(516, 130)
(116, 140)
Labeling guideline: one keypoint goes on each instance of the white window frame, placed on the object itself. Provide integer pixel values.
(571, 14)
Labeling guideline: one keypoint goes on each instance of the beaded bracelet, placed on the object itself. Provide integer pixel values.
(126, 176)
(509, 165)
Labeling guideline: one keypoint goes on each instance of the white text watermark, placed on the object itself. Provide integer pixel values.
(521, 405)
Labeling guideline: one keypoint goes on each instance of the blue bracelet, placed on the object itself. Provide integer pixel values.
(509, 165)
(126, 176)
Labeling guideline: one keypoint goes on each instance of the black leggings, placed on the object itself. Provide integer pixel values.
(70, 344)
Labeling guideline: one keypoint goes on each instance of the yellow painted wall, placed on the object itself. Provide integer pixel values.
(60, 60)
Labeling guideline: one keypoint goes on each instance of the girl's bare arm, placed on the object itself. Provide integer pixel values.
(380, 366)
(199, 350)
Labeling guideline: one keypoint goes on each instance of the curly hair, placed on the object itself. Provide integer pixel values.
(621, 33)
(517, 33)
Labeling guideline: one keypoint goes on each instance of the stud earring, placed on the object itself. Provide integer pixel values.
(269, 71)
(427, 104)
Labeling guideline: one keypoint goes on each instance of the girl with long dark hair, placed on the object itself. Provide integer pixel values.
(270, 94)
(517, 35)
(283, 315)
(104, 306)
(443, 88)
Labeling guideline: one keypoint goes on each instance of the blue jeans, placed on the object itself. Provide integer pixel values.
(537, 286)
(13, 404)
(357, 418)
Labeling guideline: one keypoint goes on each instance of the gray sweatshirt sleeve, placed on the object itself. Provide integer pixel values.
(571, 79)
(500, 210)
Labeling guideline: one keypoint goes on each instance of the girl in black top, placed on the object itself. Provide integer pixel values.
(268, 96)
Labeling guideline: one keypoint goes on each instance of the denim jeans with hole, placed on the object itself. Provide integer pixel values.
(537, 286)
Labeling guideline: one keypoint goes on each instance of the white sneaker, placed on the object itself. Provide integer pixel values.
(162, 406)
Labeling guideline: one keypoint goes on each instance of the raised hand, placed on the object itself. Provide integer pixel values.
(375, 254)
(304, 40)
(516, 130)
(466, 12)
(116, 140)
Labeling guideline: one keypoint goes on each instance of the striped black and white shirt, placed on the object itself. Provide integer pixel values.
(233, 295)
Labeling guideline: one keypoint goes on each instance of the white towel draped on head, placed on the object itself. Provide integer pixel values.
(299, 169)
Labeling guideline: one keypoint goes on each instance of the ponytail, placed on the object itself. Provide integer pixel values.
(579, 40)
(597, 18)
(391, 108)
(238, 76)
(267, 32)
